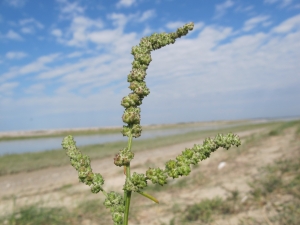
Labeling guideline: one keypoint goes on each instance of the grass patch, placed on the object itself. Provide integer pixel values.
(277, 130)
(33, 215)
(204, 210)
(87, 212)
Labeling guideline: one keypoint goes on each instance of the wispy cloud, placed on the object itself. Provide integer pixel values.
(221, 9)
(56, 32)
(11, 35)
(36, 66)
(16, 3)
(241, 8)
(288, 25)
(7, 88)
(69, 10)
(35, 89)
(147, 15)
(39, 64)
(75, 54)
(15, 55)
(84, 30)
(31, 21)
(255, 21)
(29, 25)
(282, 3)
(125, 3)
(174, 25)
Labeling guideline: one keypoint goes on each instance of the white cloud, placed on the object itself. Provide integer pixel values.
(198, 26)
(244, 8)
(15, 55)
(222, 8)
(174, 25)
(27, 30)
(255, 21)
(35, 89)
(7, 88)
(119, 19)
(125, 3)
(69, 9)
(39, 64)
(74, 54)
(146, 15)
(31, 21)
(36, 66)
(29, 25)
(147, 31)
(56, 32)
(270, 1)
(80, 30)
(84, 30)
(283, 3)
(12, 35)
(288, 25)
(16, 3)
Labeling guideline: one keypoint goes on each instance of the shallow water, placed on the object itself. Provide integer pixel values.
(43, 144)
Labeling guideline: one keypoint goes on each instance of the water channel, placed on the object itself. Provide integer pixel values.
(50, 143)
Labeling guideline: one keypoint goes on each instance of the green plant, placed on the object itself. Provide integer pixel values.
(181, 166)
(203, 211)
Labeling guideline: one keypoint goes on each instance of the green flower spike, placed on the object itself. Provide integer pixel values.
(115, 203)
(157, 176)
(181, 166)
(82, 164)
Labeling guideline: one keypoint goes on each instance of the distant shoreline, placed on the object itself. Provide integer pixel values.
(108, 129)
(8, 135)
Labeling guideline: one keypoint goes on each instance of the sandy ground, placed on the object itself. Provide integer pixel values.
(47, 185)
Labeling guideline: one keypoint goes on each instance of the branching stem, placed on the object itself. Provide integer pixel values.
(127, 194)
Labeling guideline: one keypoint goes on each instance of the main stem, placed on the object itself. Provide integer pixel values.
(127, 194)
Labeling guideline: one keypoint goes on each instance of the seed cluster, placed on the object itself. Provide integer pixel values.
(115, 203)
(142, 59)
(82, 164)
(181, 166)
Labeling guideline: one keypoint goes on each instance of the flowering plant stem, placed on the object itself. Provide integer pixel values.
(127, 194)
(180, 166)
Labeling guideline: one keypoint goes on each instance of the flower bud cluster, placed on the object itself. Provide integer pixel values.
(157, 176)
(124, 157)
(142, 59)
(115, 203)
(82, 164)
(181, 166)
(135, 183)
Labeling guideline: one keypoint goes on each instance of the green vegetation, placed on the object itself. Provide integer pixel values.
(40, 215)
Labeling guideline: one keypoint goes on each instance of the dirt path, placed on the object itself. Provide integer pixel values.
(49, 185)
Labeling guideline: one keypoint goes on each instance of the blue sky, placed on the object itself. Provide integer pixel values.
(64, 64)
